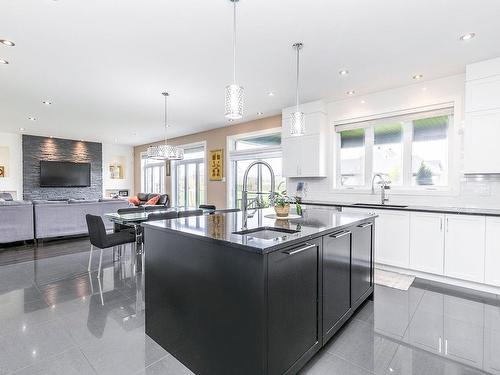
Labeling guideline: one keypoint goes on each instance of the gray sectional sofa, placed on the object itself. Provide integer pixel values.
(16, 221)
(23, 221)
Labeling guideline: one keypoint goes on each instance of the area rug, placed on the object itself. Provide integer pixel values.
(393, 279)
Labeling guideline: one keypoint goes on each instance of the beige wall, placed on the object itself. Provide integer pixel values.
(215, 139)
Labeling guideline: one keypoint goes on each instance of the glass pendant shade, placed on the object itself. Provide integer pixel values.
(165, 152)
(298, 126)
(234, 102)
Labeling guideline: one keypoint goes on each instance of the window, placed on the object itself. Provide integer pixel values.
(152, 175)
(189, 178)
(410, 150)
(243, 150)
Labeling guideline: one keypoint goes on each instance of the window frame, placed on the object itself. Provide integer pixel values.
(233, 156)
(405, 117)
(173, 173)
(159, 163)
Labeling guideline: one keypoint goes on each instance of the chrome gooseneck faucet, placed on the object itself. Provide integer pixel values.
(244, 193)
(384, 186)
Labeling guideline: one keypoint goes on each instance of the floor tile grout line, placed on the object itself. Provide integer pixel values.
(352, 363)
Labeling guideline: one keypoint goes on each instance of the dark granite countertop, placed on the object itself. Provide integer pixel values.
(443, 210)
(315, 222)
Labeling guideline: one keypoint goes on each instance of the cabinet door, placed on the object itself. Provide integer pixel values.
(291, 155)
(464, 249)
(336, 280)
(293, 282)
(492, 256)
(310, 156)
(392, 238)
(427, 242)
(492, 339)
(361, 261)
(481, 133)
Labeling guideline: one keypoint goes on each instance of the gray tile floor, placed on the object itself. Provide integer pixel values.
(56, 318)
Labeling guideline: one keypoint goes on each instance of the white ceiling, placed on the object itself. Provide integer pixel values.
(104, 63)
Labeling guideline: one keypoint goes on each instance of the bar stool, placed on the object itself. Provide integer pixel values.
(163, 215)
(101, 240)
(190, 213)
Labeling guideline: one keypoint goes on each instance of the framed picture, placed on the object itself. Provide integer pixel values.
(2, 171)
(216, 166)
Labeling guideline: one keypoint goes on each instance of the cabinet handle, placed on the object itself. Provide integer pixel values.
(299, 250)
(365, 225)
(341, 234)
(441, 225)
(447, 225)
(440, 344)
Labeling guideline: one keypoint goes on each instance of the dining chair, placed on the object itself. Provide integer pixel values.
(226, 210)
(164, 215)
(190, 213)
(207, 207)
(100, 239)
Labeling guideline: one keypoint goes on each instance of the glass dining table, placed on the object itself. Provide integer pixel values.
(134, 221)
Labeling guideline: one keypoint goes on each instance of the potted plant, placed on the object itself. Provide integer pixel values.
(282, 202)
(424, 175)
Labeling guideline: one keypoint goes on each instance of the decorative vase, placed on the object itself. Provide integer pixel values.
(282, 211)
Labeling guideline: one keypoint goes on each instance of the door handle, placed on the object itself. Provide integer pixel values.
(299, 250)
(341, 234)
(365, 225)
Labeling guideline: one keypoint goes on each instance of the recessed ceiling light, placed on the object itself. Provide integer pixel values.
(352, 92)
(270, 93)
(467, 36)
(260, 113)
(424, 88)
(32, 118)
(21, 129)
(4, 62)
(6, 42)
(418, 76)
(47, 102)
(363, 102)
(344, 72)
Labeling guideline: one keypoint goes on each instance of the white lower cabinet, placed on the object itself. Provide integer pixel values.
(492, 256)
(392, 234)
(427, 242)
(465, 247)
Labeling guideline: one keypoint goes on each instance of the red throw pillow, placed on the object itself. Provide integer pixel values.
(153, 201)
(134, 200)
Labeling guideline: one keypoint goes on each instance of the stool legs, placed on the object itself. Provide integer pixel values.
(100, 265)
(90, 256)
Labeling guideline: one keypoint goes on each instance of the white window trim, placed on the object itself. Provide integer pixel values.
(233, 155)
(173, 171)
(368, 123)
(143, 155)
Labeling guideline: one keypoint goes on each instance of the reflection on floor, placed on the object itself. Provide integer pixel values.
(55, 318)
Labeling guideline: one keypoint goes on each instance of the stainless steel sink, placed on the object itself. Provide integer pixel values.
(266, 233)
(379, 205)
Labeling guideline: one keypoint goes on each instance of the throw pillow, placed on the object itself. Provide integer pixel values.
(153, 201)
(134, 200)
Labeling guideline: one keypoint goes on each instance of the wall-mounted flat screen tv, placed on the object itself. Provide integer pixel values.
(64, 174)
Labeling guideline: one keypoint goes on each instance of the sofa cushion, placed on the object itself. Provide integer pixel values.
(143, 197)
(134, 200)
(163, 200)
(6, 196)
(73, 201)
(43, 201)
(153, 201)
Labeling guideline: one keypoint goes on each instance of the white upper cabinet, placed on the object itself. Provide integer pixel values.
(427, 242)
(492, 256)
(465, 247)
(305, 156)
(482, 117)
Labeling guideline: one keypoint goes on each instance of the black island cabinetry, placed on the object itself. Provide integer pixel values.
(224, 304)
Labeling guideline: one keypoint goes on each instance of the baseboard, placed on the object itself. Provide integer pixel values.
(442, 279)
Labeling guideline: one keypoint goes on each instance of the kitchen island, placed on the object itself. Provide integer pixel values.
(259, 301)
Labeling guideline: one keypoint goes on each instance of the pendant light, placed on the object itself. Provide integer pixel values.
(298, 126)
(234, 92)
(165, 151)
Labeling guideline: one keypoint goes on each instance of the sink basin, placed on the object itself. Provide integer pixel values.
(379, 205)
(266, 233)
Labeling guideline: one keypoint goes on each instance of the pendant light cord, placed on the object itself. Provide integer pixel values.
(234, 41)
(298, 61)
(165, 117)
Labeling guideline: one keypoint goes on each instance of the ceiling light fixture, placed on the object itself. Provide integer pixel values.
(467, 36)
(46, 102)
(344, 72)
(21, 129)
(32, 118)
(351, 92)
(298, 126)
(363, 102)
(4, 62)
(8, 43)
(234, 92)
(165, 151)
(418, 76)
(270, 93)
